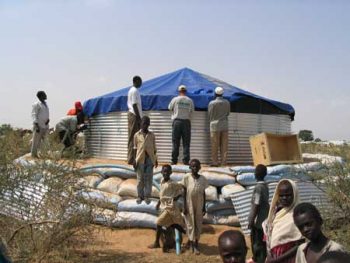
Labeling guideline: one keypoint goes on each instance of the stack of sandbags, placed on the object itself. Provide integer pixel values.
(245, 174)
(128, 189)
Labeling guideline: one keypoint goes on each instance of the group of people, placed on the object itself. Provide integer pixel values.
(67, 128)
(182, 108)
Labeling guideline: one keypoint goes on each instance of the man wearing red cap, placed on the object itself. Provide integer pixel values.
(76, 110)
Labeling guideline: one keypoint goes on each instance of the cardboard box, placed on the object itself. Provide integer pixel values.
(270, 149)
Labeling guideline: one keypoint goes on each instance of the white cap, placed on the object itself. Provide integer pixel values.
(219, 91)
(182, 88)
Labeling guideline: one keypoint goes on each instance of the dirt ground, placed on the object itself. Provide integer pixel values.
(130, 245)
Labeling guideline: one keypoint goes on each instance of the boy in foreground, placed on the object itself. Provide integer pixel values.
(232, 247)
(170, 215)
(194, 199)
(309, 221)
(146, 157)
(258, 213)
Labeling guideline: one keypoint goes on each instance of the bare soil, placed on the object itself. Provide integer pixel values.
(130, 245)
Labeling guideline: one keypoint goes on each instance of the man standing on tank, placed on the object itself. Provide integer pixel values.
(134, 115)
(181, 108)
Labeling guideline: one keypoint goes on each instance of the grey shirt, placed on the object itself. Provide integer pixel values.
(260, 197)
(68, 123)
(181, 107)
(218, 111)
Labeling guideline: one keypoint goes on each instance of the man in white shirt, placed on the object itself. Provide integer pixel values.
(181, 108)
(134, 115)
(41, 119)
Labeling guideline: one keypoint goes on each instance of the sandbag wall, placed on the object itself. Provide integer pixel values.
(113, 189)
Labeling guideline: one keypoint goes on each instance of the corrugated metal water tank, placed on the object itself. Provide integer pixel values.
(108, 134)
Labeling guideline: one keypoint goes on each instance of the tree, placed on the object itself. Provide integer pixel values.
(306, 135)
(5, 128)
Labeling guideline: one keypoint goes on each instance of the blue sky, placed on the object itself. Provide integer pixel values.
(292, 51)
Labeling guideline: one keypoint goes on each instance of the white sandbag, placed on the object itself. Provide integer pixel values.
(242, 169)
(249, 179)
(219, 170)
(211, 193)
(110, 185)
(218, 179)
(221, 220)
(119, 172)
(220, 204)
(181, 169)
(131, 206)
(279, 169)
(228, 190)
(223, 212)
(99, 171)
(324, 158)
(309, 167)
(90, 181)
(107, 166)
(124, 219)
(129, 188)
(177, 177)
(100, 198)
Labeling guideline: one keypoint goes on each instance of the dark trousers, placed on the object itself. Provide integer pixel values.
(181, 129)
(67, 141)
(133, 127)
(258, 245)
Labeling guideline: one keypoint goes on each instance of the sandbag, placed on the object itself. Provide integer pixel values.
(218, 179)
(131, 206)
(221, 220)
(129, 188)
(279, 169)
(90, 181)
(181, 169)
(230, 189)
(124, 219)
(220, 204)
(211, 193)
(223, 212)
(177, 177)
(219, 170)
(242, 169)
(100, 198)
(104, 165)
(119, 172)
(110, 185)
(249, 179)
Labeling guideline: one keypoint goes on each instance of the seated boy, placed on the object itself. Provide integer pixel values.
(232, 247)
(309, 221)
(258, 213)
(170, 215)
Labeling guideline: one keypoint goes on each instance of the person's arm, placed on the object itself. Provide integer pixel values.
(136, 110)
(155, 152)
(185, 201)
(35, 113)
(210, 111)
(171, 105)
(134, 151)
(290, 253)
(252, 216)
(204, 200)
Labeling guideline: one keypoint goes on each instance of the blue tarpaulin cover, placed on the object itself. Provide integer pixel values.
(157, 93)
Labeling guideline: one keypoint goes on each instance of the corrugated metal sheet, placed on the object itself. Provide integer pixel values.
(308, 191)
(108, 134)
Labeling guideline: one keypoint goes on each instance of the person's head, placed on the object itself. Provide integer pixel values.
(260, 172)
(145, 122)
(41, 95)
(308, 220)
(166, 171)
(285, 193)
(137, 81)
(80, 117)
(219, 92)
(78, 106)
(334, 257)
(232, 247)
(182, 89)
(195, 166)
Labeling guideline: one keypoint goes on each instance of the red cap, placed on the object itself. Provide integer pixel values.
(78, 105)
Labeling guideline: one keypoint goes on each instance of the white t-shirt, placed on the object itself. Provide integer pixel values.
(134, 98)
(40, 114)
